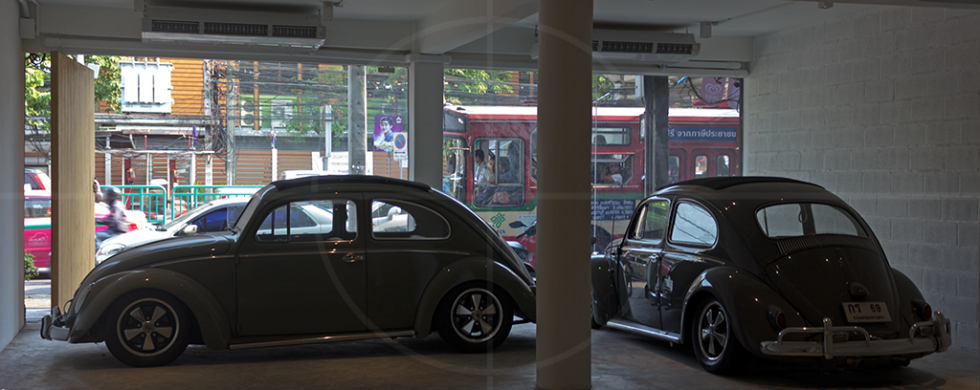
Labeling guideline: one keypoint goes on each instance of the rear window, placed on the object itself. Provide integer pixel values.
(806, 219)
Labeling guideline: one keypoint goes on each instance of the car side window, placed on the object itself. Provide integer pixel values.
(693, 225)
(400, 220)
(309, 221)
(652, 221)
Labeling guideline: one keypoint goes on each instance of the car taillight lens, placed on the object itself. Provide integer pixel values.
(781, 320)
(922, 308)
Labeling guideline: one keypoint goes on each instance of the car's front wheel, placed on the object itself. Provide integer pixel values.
(715, 343)
(147, 328)
(474, 318)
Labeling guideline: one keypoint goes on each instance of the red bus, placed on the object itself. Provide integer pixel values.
(702, 143)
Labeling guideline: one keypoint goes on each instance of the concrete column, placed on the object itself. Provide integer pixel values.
(11, 165)
(425, 122)
(564, 127)
(357, 120)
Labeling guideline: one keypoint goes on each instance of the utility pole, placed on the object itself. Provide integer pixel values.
(357, 119)
(656, 97)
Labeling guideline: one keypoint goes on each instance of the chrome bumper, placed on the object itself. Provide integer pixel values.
(924, 337)
(53, 326)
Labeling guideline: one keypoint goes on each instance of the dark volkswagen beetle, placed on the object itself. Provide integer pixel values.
(775, 267)
(310, 260)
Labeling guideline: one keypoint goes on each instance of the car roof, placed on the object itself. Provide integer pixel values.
(348, 180)
(751, 190)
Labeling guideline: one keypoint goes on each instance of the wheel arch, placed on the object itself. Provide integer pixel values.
(468, 270)
(207, 313)
(747, 300)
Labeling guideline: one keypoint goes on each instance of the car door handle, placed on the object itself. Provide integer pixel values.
(353, 258)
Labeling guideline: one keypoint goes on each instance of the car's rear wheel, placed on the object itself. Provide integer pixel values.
(147, 328)
(474, 318)
(715, 344)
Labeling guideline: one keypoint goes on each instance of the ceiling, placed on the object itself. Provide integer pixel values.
(465, 33)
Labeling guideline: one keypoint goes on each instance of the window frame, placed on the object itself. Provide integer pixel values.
(409, 236)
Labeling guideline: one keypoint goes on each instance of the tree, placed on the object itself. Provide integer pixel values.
(37, 93)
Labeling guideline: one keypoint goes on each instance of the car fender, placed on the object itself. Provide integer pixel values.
(747, 299)
(211, 320)
(907, 292)
(604, 297)
(466, 270)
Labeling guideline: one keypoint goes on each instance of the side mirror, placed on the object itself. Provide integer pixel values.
(516, 224)
(190, 229)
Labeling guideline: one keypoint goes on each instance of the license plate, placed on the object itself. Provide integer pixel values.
(866, 312)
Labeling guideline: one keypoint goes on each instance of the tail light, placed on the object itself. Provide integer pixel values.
(922, 309)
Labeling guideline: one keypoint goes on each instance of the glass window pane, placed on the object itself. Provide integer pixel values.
(652, 223)
(499, 182)
(693, 225)
(803, 219)
(700, 166)
(724, 166)
(395, 219)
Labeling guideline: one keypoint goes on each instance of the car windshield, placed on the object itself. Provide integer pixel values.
(806, 219)
(180, 221)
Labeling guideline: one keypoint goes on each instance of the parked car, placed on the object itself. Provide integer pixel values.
(36, 180)
(217, 215)
(278, 277)
(37, 225)
(775, 267)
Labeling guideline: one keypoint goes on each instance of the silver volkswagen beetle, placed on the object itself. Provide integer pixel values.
(288, 274)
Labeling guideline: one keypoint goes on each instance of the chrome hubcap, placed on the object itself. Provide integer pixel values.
(147, 327)
(476, 315)
(713, 329)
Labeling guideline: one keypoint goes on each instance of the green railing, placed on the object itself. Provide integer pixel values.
(191, 197)
(148, 199)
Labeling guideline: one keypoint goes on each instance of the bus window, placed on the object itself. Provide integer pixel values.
(700, 166)
(724, 166)
(501, 182)
(612, 169)
(673, 169)
(454, 167)
(610, 136)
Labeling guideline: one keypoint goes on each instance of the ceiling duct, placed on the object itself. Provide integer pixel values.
(212, 26)
(639, 47)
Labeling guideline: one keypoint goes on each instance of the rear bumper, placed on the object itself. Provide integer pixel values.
(924, 337)
(53, 326)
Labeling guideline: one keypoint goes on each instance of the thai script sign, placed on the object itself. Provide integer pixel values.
(695, 133)
(612, 209)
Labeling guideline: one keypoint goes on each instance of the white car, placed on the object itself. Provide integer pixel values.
(212, 216)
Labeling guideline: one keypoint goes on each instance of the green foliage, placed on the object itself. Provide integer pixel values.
(476, 82)
(37, 91)
(30, 271)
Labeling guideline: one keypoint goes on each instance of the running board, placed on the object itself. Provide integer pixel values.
(643, 330)
(322, 339)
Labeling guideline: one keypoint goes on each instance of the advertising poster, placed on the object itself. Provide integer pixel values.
(385, 128)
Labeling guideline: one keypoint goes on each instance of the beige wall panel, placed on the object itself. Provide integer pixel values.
(384, 164)
(73, 167)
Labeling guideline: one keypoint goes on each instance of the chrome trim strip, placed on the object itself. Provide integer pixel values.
(190, 259)
(643, 330)
(324, 339)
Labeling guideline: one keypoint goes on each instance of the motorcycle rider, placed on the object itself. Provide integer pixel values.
(115, 220)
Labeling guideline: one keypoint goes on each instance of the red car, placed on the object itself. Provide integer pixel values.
(37, 225)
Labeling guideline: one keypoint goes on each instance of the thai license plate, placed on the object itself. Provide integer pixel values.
(866, 312)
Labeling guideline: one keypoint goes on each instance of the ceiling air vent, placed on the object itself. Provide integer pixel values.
(630, 46)
(211, 26)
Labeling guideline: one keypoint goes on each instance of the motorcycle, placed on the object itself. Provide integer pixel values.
(526, 244)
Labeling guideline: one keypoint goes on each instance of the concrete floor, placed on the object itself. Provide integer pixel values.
(619, 361)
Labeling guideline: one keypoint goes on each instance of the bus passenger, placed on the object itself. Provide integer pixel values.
(611, 175)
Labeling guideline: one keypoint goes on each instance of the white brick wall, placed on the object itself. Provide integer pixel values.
(882, 107)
